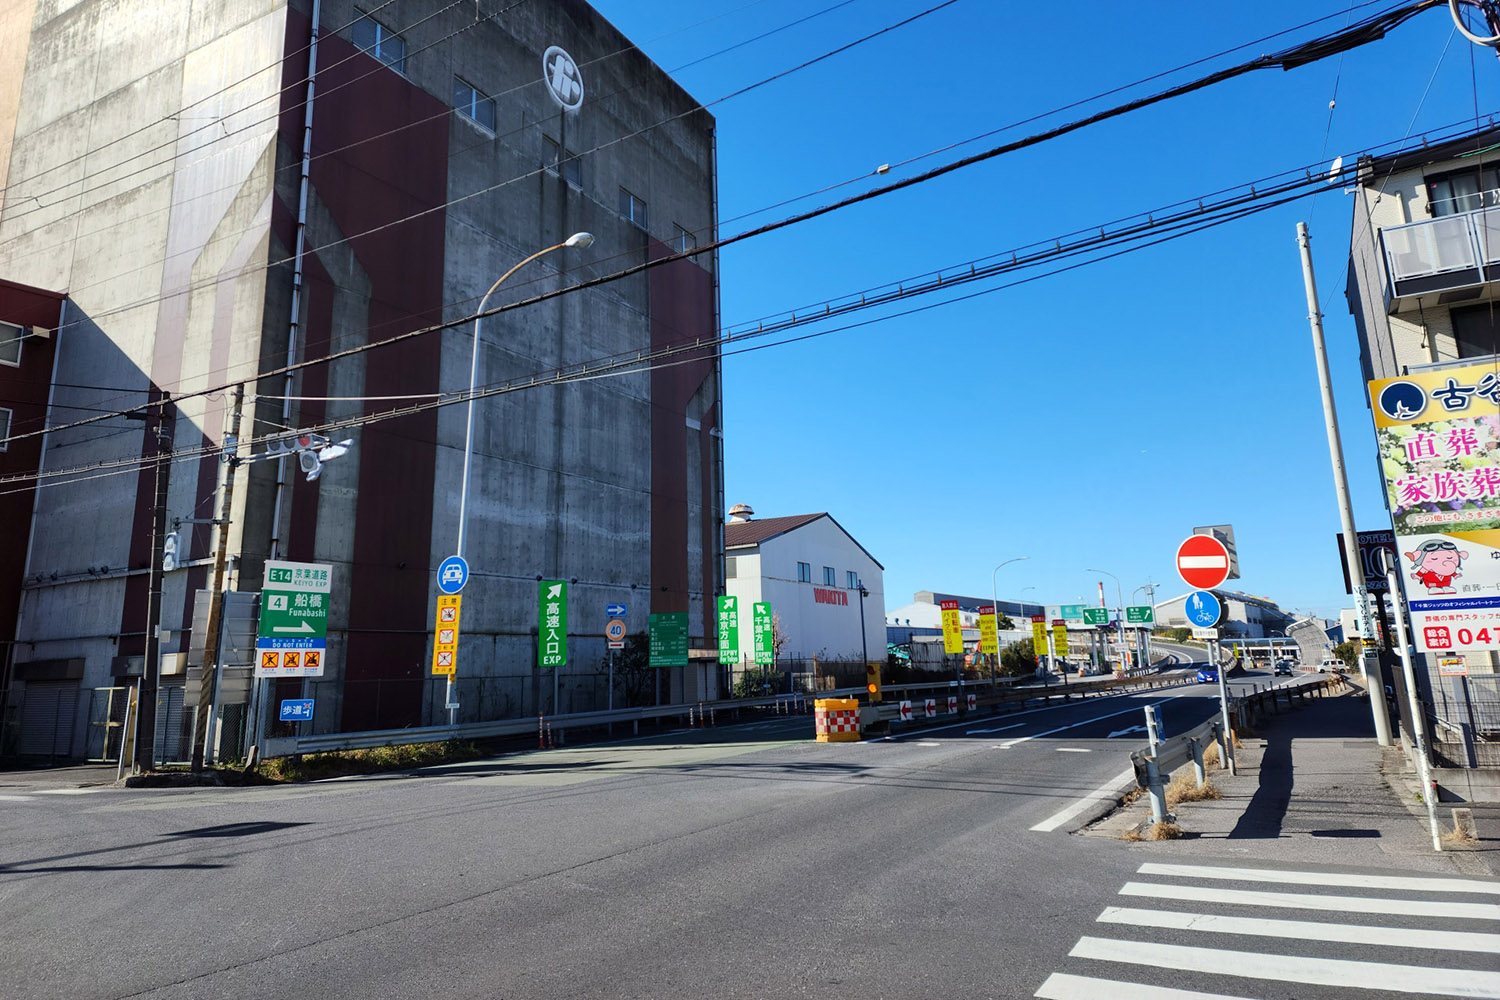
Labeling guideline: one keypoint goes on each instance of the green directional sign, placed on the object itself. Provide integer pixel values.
(1095, 616)
(729, 630)
(552, 623)
(293, 633)
(669, 639)
(1140, 615)
(765, 646)
(1073, 612)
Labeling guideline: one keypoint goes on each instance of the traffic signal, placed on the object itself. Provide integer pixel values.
(872, 681)
(169, 549)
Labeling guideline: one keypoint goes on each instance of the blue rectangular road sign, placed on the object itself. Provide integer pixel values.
(614, 611)
(296, 710)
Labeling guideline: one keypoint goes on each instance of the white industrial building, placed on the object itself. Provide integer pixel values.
(810, 570)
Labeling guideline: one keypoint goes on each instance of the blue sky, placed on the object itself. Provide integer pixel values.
(1088, 419)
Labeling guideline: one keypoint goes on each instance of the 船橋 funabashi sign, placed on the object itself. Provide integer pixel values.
(953, 633)
(552, 623)
(1439, 440)
(989, 636)
(765, 634)
(729, 630)
(293, 633)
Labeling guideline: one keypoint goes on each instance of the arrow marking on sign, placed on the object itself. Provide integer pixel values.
(301, 628)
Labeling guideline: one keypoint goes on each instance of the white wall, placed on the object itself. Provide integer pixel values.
(813, 628)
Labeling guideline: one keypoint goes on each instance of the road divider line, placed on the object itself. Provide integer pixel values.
(1104, 793)
(1001, 729)
(1313, 901)
(15, 798)
(1384, 977)
(1061, 986)
(1074, 750)
(1086, 722)
(1348, 880)
(1304, 930)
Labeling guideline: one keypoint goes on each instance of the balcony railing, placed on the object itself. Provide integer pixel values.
(1451, 251)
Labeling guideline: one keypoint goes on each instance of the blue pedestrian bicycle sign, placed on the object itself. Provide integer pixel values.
(453, 574)
(1203, 609)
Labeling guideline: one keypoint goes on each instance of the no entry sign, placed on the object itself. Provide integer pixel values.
(1202, 562)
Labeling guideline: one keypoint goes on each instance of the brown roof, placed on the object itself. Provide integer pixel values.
(747, 533)
(754, 532)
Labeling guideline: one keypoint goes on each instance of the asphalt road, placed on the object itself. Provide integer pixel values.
(743, 861)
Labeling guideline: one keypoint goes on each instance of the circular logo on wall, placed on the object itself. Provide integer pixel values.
(563, 78)
(1402, 400)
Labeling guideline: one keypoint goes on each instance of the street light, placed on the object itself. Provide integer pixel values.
(864, 645)
(995, 606)
(579, 240)
(1119, 602)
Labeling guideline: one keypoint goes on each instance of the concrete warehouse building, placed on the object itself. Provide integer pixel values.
(811, 571)
(154, 170)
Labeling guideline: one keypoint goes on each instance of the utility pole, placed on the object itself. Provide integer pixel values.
(1371, 664)
(145, 711)
(216, 595)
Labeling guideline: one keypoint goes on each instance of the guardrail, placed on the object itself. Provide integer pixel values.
(551, 729)
(903, 711)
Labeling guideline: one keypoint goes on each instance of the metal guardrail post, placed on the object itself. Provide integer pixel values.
(1157, 791)
(1152, 732)
(1198, 771)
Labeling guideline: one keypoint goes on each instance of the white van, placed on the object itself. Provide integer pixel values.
(1330, 663)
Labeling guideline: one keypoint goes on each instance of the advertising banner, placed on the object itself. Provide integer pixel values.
(953, 633)
(989, 636)
(1439, 439)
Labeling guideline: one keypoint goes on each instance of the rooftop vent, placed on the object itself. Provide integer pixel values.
(740, 513)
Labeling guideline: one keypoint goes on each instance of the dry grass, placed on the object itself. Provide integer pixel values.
(1133, 835)
(1459, 838)
(1132, 796)
(1162, 831)
(337, 763)
(1184, 788)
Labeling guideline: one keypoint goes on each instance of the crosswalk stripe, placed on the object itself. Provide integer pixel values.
(1304, 930)
(1383, 976)
(1325, 878)
(1061, 986)
(1313, 901)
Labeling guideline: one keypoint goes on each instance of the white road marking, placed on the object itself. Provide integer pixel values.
(15, 798)
(1074, 725)
(929, 743)
(1108, 790)
(1061, 986)
(1382, 976)
(1074, 750)
(1313, 901)
(66, 791)
(1304, 930)
(1001, 729)
(1416, 884)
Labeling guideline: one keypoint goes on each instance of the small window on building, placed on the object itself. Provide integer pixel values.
(829, 576)
(853, 580)
(379, 41)
(571, 168)
(729, 568)
(550, 154)
(10, 343)
(684, 240)
(804, 572)
(1476, 330)
(632, 208)
(473, 105)
(4, 427)
(1464, 191)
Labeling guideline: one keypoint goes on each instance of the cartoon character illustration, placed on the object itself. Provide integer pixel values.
(1435, 565)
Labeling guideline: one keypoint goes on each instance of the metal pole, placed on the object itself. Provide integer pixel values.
(145, 719)
(1418, 721)
(1341, 487)
(1228, 745)
(611, 679)
(206, 682)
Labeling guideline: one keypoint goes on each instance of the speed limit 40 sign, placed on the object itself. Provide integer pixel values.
(615, 633)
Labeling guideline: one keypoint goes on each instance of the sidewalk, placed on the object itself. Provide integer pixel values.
(1313, 785)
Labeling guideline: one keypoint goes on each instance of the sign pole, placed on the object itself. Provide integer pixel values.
(1418, 721)
(1373, 684)
(1228, 747)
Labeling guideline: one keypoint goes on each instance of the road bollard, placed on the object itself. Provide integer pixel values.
(712, 721)
(549, 734)
(541, 738)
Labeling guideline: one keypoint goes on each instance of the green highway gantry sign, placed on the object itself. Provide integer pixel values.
(1095, 616)
(669, 639)
(1140, 615)
(1072, 612)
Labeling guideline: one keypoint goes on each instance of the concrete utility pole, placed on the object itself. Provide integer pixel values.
(1370, 664)
(145, 711)
(211, 651)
